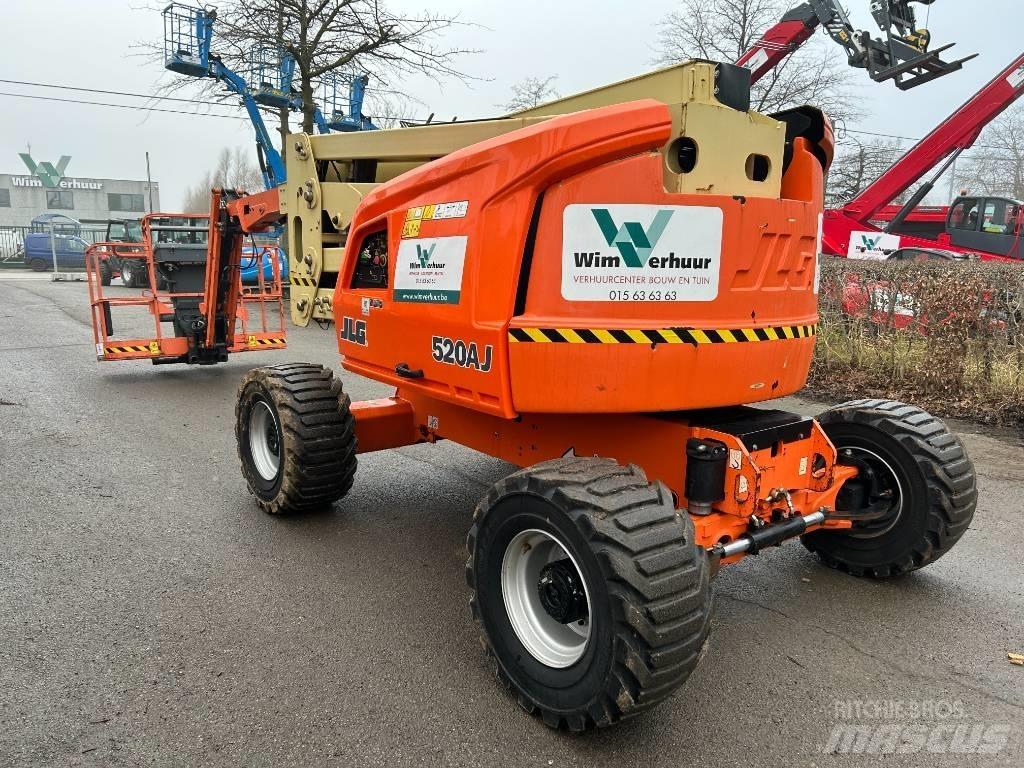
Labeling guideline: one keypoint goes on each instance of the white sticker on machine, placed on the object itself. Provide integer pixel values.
(872, 246)
(1016, 78)
(757, 60)
(641, 253)
(429, 270)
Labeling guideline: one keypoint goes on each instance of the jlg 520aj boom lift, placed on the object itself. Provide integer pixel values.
(591, 294)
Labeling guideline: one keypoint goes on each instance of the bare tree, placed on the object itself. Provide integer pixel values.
(531, 91)
(197, 198)
(723, 30)
(391, 110)
(996, 164)
(330, 37)
(857, 164)
(234, 170)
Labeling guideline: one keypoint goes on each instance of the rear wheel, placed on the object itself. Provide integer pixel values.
(913, 473)
(38, 265)
(296, 437)
(590, 591)
(134, 273)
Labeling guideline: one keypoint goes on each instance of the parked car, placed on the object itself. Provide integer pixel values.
(70, 251)
(927, 254)
(249, 263)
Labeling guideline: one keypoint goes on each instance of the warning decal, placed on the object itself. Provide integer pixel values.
(414, 217)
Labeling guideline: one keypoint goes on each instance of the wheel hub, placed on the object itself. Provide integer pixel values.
(876, 493)
(546, 598)
(561, 592)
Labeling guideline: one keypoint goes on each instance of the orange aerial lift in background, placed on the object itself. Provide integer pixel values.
(193, 265)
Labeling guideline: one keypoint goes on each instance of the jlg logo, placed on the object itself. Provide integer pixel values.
(353, 330)
(461, 353)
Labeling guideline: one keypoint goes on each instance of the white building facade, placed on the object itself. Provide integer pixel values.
(45, 188)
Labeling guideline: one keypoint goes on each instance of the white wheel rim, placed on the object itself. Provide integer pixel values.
(264, 440)
(550, 642)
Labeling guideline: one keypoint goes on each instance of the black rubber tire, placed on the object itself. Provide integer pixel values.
(940, 488)
(38, 265)
(316, 431)
(106, 272)
(137, 275)
(648, 583)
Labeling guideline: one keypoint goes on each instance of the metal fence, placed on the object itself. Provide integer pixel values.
(12, 240)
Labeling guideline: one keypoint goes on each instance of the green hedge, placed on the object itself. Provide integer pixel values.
(948, 336)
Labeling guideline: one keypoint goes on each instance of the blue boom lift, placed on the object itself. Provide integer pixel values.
(188, 36)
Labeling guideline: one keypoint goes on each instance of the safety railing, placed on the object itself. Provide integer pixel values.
(258, 314)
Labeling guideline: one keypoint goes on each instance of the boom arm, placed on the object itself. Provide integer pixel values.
(902, 57)
(271, 163)
(953, 136)
(188, 36)
(795, 29)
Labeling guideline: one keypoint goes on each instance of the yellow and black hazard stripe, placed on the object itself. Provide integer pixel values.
(126, 348)
(305, 282)
(272, 342)
(693, 336)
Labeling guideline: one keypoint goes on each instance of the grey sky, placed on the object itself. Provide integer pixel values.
(584, 43)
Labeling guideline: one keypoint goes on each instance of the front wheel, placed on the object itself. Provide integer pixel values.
(591, 593)
(106, 272)
(914, 476)
(296, 437)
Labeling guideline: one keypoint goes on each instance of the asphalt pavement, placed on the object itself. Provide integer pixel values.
(151, 615)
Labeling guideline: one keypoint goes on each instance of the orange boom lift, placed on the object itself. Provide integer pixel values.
(193, 267)
(592, 291)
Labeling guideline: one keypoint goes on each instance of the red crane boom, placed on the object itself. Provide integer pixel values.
(939, 148)
(957, 133)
